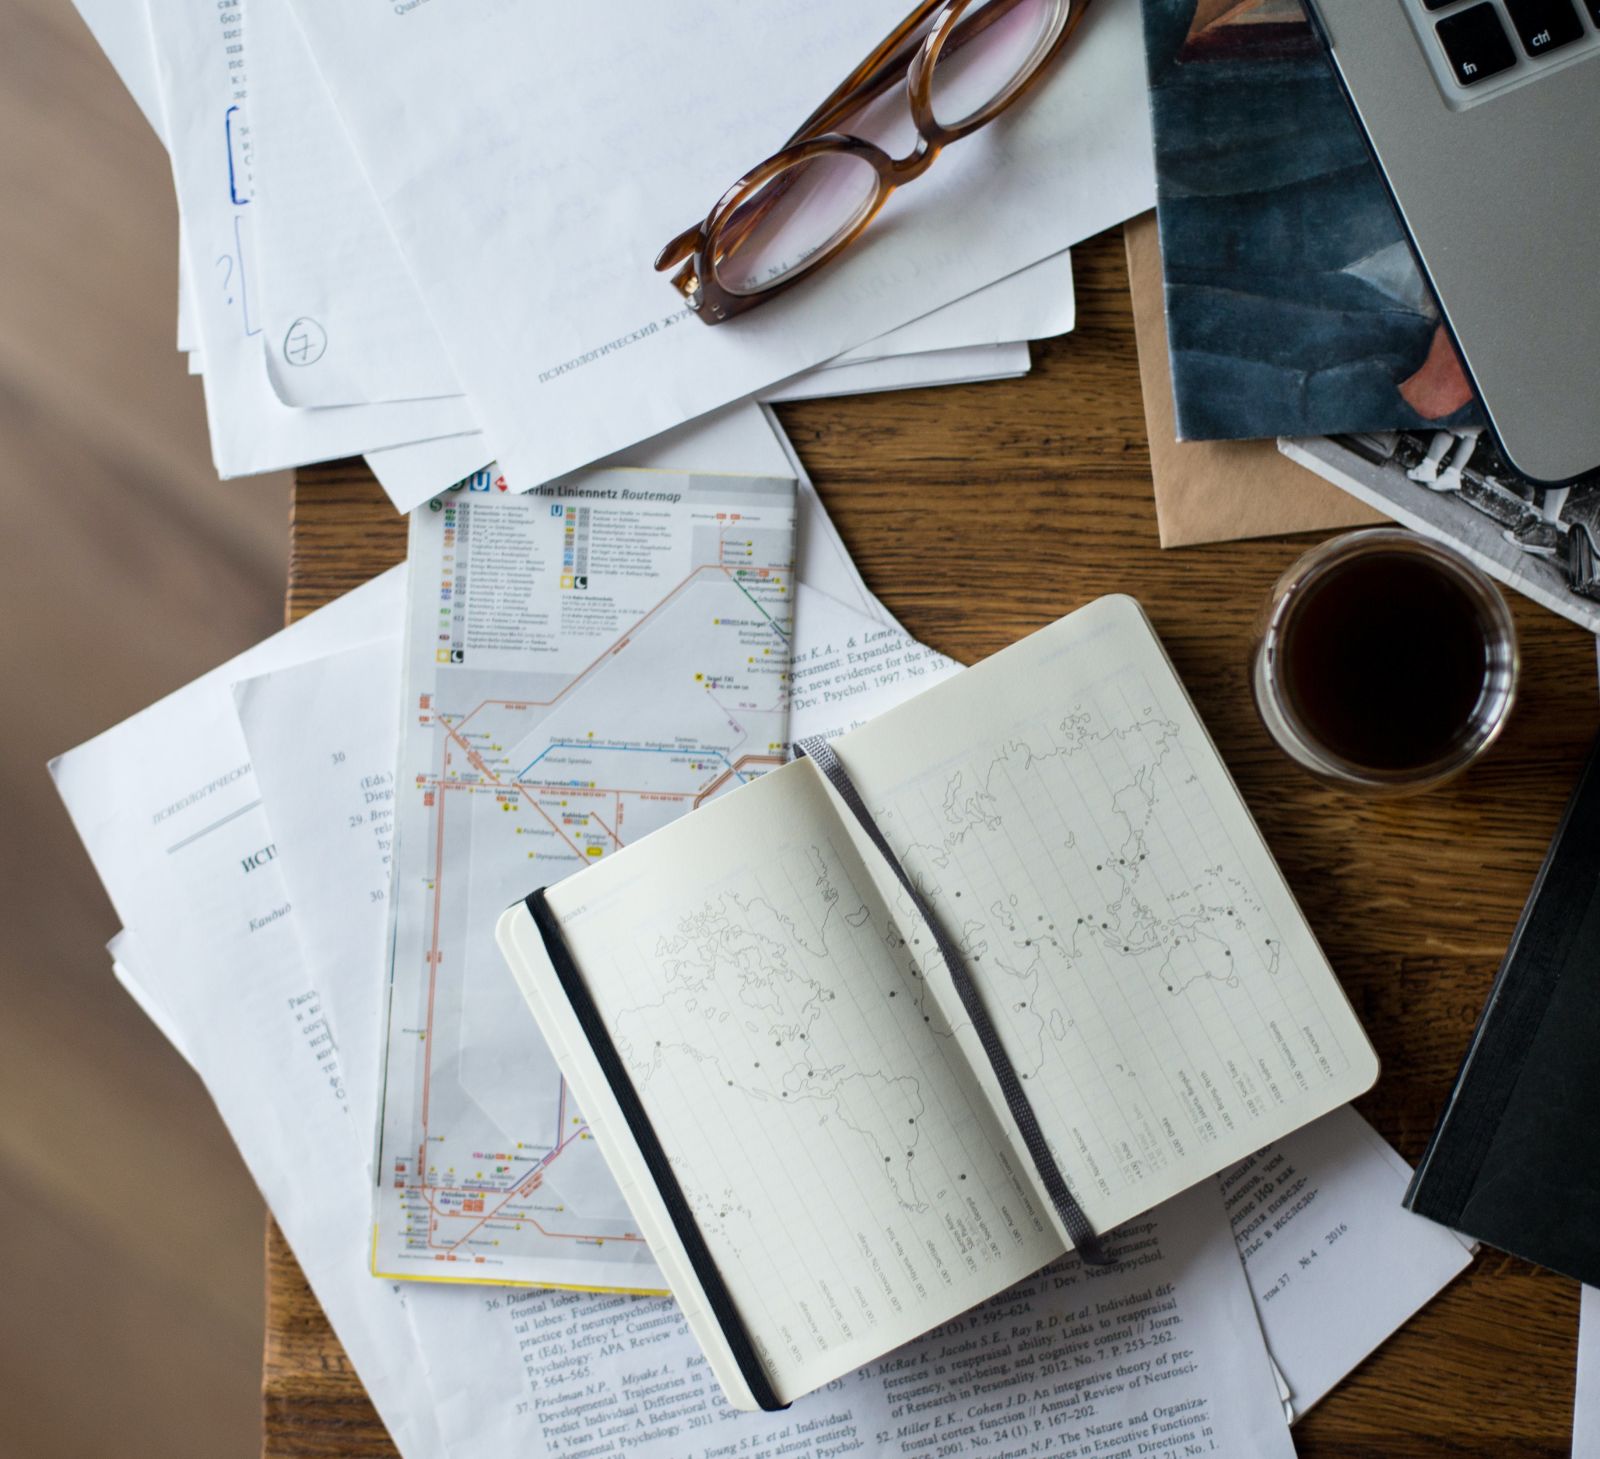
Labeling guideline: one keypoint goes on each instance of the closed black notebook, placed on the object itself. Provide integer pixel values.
(1515, 1160)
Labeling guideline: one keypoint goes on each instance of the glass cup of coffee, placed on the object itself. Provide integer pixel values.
(1385, 662)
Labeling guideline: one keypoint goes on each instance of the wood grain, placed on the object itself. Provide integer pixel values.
(979, 514)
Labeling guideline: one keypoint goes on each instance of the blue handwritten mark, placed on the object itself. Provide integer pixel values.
(250, 329)
(233, 180)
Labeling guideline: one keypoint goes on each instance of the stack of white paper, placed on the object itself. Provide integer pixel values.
(387, 250)
(251, 860)
(423, 232)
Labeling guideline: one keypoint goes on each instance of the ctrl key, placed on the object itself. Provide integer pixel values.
(1545, 25)
(1476, 44)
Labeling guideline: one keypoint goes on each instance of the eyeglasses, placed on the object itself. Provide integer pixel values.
(962, 63)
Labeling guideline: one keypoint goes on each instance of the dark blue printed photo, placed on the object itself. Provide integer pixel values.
(1294, 306)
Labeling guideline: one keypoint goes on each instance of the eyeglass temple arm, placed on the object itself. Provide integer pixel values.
(882, 68)
(682, 248)
(886, 66)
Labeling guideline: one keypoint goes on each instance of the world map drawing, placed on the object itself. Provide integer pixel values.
(1117, 960)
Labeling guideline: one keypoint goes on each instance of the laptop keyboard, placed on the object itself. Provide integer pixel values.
(1487, 45)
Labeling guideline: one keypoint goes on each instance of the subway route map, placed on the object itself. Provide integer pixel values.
(583, 664)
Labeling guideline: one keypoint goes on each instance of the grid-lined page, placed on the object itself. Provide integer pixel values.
(849, 1175)
(1152, 980)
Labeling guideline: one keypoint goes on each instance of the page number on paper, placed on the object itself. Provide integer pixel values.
(305, 343)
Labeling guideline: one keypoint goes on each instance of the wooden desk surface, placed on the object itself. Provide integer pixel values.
(980, 513)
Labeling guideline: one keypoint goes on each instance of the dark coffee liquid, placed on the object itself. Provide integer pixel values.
(1383, 660)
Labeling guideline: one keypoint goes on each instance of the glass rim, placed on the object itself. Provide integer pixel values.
(1062, 11)
(791, 160)
(1490, 713)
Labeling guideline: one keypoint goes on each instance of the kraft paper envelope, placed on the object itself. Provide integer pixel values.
(1215, 491)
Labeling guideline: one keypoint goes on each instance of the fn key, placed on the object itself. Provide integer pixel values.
(1476, 44)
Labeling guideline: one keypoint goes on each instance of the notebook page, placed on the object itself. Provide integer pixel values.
(852, 1182)
(1069, 821)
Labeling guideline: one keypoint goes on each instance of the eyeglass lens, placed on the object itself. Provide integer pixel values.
(811, 205)
(790, 218)
(994, 46)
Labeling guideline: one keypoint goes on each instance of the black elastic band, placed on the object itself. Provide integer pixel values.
(655, 1158)
(1084, 1239)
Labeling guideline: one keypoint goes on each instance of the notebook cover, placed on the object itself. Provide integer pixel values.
(1515, 1160)
(1294, 305)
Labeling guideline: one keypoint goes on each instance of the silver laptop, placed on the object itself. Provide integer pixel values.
(1484, 116)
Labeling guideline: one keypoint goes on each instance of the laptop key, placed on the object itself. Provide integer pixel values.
(1544, 25)
(1476, 44)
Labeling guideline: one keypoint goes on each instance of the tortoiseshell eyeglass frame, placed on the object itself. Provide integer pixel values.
(908, 54)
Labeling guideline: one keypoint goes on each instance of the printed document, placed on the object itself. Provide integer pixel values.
(849, 666)
(1154, 1357)
(176, 842)
(1034, 303)
(322, 737)
(928, 370)
(941, 348)
(740, 440)
(202, 71)
(168, 808)
(584, 663)
(532, 244)
(410, 474)
(342, 322)
(1335, 1263)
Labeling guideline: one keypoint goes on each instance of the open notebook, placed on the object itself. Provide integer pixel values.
(772, 1056)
